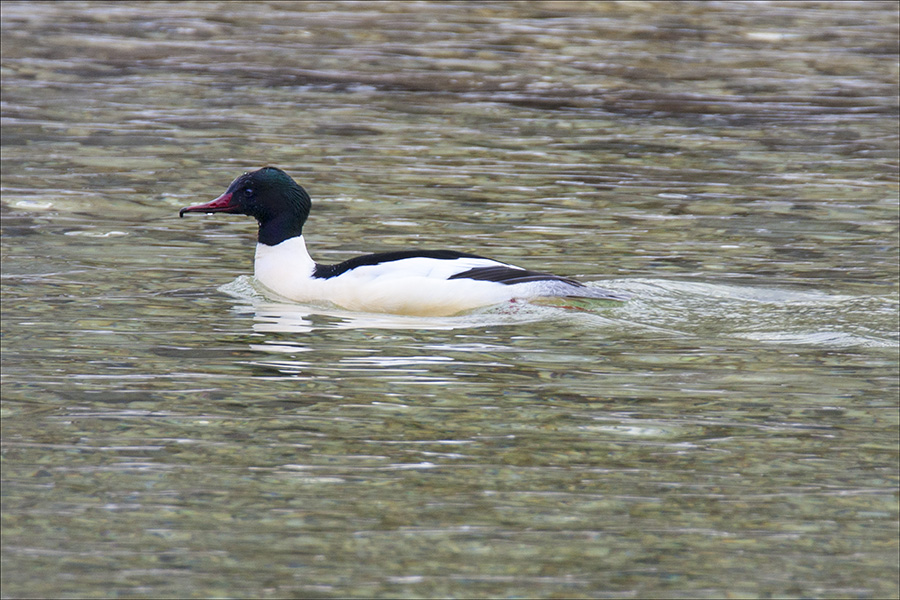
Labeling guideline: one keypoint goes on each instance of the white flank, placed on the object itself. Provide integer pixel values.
(411, 286)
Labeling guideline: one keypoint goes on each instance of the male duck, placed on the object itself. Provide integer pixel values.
(414, 282)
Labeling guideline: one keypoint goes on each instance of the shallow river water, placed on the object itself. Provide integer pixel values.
(730, 431)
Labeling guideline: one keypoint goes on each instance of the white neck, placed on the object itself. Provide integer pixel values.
(285, 267)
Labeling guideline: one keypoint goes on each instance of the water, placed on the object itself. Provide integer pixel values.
(732, 430)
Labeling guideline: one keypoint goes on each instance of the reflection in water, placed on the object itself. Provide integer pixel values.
(287, 317)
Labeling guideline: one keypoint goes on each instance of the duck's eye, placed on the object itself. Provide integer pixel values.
(248, 192)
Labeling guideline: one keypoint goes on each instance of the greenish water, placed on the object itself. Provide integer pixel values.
(731, 431)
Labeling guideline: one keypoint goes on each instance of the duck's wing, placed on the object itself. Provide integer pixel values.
(509, 275)
(438, 264)
(445, 265)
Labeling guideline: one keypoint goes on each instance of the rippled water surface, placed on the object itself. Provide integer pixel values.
(731, 430)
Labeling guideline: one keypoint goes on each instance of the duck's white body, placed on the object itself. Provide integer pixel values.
(411, 286)
(427, 283)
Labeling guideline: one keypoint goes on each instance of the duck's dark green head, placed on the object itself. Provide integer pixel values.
(270, 196)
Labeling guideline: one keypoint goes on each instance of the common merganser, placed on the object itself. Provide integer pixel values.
(413, 282)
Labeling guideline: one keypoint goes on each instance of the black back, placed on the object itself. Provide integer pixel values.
(328, 271)
(497, 273)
